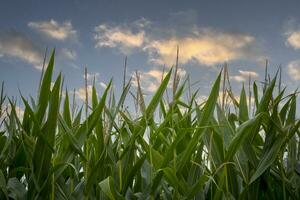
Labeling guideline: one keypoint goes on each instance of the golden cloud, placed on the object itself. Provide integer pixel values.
(208, 47)
(293, 39)
(205, 46)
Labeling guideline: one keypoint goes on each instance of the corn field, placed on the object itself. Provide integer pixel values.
(223, 148)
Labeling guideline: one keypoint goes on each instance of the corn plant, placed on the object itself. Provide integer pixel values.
(223, 148)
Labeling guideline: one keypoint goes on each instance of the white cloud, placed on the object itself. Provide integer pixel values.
(54, 29)
(293, 39)
(103, 85)
(202, 45)
(244, 75)
(17, 45)
(91, 77)
(150, 80)
(68, 54)
(294, 70)
(238, 78)
(7, 109)
(201, 99)
(248, 73)
(117, 36)
(292, 33)
(142, 23)
(229, 101)
(81, 93)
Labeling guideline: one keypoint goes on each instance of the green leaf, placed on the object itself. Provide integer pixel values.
(3, 184)
(45, 89)
(171, 177)
(108, 188)
(243, 109)
(46, 139)
(66, 112)
(242, 133)
(16, 190)
(203, 121)
(133, 171)
(268, 159)
(265, 101)
(158, 95)
(197, 186)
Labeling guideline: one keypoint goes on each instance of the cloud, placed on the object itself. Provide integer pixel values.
(103, 85)
(238, 78)
(7, 109)
(244, 75)
(142, 23)
(205, 46)
(151, 80)
(294, 70)
(292, 33)
(54, 29)
(117, 36)
(90, 76)
(293, 39)
(248, 73)
(229, 101)
(201, 99)
(81, 93)
(68, 54)
(17, 45)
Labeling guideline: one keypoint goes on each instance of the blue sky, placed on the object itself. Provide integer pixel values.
(99, 34)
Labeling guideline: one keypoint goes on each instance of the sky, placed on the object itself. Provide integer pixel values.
(100, 34)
